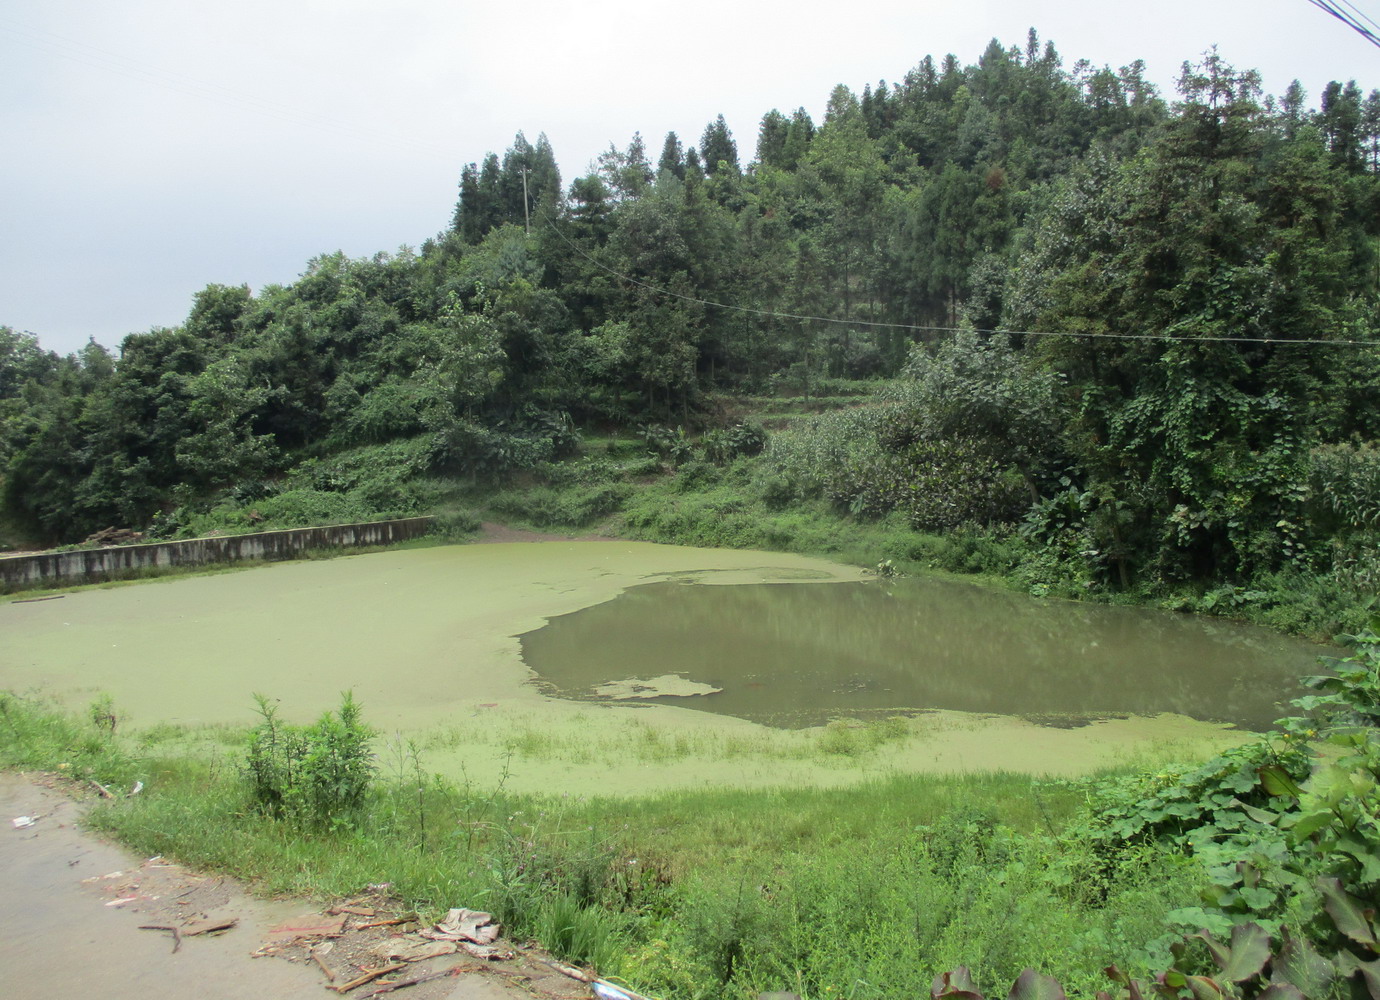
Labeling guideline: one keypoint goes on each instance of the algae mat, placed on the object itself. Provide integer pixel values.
(426, 639)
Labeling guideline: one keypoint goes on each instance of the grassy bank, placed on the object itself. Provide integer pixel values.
(867, 892)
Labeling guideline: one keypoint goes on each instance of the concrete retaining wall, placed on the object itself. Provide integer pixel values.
(93, 565)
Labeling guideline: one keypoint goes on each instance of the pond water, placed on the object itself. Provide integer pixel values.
(432, 643)
(796, 655)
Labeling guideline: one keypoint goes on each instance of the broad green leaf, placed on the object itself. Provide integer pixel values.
(1033, 986)
(1349, 965)
(1306, 824)
(1262, 816)
(1245, 956)
(1278, 782)
(1250, 950)
(957, 985)
(1280, 991)
(1346, 912)
(1299, 964)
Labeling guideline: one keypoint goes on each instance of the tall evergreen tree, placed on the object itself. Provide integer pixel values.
(490, 201)
(672, 157)
(771, 138)
(799, 135)
(544, 182)
(717, 148)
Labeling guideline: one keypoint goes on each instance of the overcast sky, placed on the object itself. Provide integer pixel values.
(152, 147)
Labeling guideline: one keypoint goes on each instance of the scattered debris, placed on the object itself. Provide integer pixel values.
(605, 990)
(487, 952)
(114, 536)
(311, 925)
(465, 925)
(23, 822)
(354, 911)
(400, 949)
(369, 976)
(138, 787)
(122, 901)
(393, 922)
(177, 934)
(106, 793)
(316, 952)
(566, 970)
(404, 983)
(209, 926)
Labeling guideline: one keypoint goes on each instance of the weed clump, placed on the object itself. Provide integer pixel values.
(318, 774)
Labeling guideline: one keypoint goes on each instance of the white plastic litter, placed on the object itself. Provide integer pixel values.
(607, 991)
(22, 822)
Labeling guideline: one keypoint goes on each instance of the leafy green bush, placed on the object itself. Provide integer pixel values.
(1284, 843)
(317, 774)
(672, 445)
(740, 440)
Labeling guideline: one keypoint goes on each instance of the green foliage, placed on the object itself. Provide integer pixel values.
(566, 507)
(672, 445)
(319, 774)
(40, 737)
(1345, 485)
(874, 459)
(738, 441)
(1284, 843)
(1350, 689)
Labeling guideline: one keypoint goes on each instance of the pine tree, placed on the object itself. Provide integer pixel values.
(799, 135)
(517, 161)
(466, 220)
(544, 182)
(672, 157)
(718, 148)
(490, 200)
(771, 138)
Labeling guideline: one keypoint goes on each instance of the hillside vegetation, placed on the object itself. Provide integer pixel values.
(1013, 317)
(1131, 341)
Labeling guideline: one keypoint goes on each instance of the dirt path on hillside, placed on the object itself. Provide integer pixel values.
(78, 910)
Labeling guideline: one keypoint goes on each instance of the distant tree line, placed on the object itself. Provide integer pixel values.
(1155, 259)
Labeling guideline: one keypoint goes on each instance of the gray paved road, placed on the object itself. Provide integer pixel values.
(59, 940)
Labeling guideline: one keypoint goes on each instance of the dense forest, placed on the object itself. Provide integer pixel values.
(1136, 331)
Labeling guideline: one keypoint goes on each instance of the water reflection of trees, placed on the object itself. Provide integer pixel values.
(806, 650)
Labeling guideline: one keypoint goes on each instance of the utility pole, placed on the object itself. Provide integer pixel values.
(526, 204)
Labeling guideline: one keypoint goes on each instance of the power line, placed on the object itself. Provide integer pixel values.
(1360, 13)
(921, 328)
(1351, 17)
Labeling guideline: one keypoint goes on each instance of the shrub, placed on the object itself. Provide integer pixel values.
(317, 774)
(740, 440)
